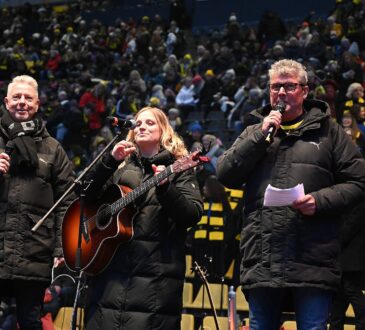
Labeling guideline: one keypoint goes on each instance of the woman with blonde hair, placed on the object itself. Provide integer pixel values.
(142, 286)
(168, 139)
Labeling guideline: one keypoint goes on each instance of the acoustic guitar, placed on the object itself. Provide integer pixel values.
(108, 222)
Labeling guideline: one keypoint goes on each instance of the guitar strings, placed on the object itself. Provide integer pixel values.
(121, 203)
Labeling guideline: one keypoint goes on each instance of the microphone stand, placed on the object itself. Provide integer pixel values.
(81, 184)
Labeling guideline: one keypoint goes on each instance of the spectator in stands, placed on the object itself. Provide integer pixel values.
(127, 105)
(158, 92)
(198, 83)
(252, 102)
(210, 88)
(316, 48)
(229, 84)
(93, 104)
(292, 247)
(358, 111)
(186, 99)
(214, 149)
(136, 84)
(187, 66)
(329, 95)
(271, 28)
(194, 133)
(293, 49)
(204, 62)
(354, 95)
(174, 119)
(143, 37)
(352, 129)
(223, 60)
(350, 72)
(172, 64)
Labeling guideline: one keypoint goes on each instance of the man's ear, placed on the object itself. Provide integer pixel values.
(38, 104)
(6, 101)
(305, 91)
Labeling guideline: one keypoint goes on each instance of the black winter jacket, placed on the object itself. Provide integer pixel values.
(280, 246)
(352, 256)
(24, 199)
(142, 286)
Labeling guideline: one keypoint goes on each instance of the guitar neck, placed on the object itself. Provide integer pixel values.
(144, 187)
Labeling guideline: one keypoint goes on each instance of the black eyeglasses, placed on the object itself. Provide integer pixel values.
(288, 87)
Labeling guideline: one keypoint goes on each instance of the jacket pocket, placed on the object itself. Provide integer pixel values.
(39, 245)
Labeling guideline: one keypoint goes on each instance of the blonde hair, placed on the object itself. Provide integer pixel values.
(352, 88)
(289, 67)
(25, 80)
(169, 139)
(354, 126)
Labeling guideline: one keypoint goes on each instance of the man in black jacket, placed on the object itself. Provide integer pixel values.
(293, 247)
(32, 178)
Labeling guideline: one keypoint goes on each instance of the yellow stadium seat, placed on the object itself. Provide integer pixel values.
(209, 323)
(349, 327)
(241, 302)
(60, 9)
(350, 311)
(187, 322)
(219, 294)
(229, 273)
(187, 294)
(189, 264)
(64, 317)
(290, 325)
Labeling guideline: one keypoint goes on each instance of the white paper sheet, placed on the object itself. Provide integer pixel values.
(282, 197)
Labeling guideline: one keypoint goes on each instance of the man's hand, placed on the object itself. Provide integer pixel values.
(273, 119)
(4, 163)
(305, 205)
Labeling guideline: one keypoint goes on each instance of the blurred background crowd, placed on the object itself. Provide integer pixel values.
(206, 80)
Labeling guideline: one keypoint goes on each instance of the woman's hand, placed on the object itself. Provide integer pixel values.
(159, 169)
(58, 261)
(122, 150)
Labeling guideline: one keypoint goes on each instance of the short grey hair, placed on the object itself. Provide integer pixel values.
(352, 88)
(25, 80)
(289, 67)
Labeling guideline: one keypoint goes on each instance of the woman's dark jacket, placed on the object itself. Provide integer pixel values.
(24, 199)
(280, 246)
(142, 286)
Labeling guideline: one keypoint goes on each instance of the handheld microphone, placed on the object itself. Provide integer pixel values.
(9, 148)
(270, 133)
(114, 121)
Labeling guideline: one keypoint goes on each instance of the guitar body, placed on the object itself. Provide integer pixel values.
(105, 232)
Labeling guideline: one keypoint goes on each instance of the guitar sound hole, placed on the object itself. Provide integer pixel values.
(103, 217)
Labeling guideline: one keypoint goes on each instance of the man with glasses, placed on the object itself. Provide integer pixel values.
(292, 249)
